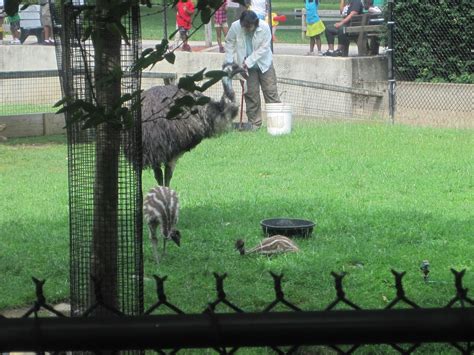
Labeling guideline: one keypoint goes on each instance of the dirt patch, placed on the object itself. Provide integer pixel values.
(20, 312)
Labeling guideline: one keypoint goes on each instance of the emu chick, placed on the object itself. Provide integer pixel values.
(161, 208)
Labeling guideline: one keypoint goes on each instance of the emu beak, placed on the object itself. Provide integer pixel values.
(176, 237)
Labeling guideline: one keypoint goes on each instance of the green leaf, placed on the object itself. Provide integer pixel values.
(146, 51)
(87, 33)
(186, 100)
(187, 83)
(203, 100)
(170, 57)
(171, 36)
(120, 10)
(206, 15)
(93, 122)
(199, 75)
(118, 28)
(173, 112)
(162, 48)
(201, 4)
(216, 74)
(61, 102)
(11, 7)
(88, 107)
(207, 85)
(147, 3)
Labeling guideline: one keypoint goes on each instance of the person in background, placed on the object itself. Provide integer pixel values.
(220, 23)
(354, 7)
(45, 18)
(372, 8)
(314, 26)
(276, 19)
(248, 45)
(258, 6)
(14, 22)
(2, 16)
(185, 10)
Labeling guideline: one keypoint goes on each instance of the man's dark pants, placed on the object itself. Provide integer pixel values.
(268, 82)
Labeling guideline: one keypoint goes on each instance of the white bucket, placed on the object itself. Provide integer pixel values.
(279, 118)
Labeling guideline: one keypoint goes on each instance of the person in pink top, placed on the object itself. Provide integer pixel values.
(220, 23)
(185, 10)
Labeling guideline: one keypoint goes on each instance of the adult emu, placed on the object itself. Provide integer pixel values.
(165, 140)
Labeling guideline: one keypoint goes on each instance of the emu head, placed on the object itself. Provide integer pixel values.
(175, 236)
(239, 245)
(228, 108)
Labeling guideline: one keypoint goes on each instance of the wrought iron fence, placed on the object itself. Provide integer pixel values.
(403, 326)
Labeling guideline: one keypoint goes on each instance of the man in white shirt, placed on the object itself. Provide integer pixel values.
(248, 44)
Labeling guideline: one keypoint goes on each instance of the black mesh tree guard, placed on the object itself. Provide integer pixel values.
(105, 196)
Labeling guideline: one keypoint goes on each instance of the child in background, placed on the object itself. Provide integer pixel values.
(314, 26)
(185, 9)
(220, 23)
(14, 22)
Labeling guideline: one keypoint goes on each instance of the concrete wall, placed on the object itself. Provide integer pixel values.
(40, 124)
(359, 72)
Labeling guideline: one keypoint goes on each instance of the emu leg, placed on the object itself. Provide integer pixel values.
(154, 242)
(169, 168)
(158, 175)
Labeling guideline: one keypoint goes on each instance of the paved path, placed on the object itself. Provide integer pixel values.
(278, 48)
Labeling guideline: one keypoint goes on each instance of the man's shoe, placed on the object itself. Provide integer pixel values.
(328, 53)
(337, 53)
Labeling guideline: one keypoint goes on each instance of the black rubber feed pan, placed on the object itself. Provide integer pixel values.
(289, 227)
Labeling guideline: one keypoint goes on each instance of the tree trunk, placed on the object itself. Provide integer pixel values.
(105, 231)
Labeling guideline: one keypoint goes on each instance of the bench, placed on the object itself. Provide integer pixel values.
(365, 30)
(30, 23)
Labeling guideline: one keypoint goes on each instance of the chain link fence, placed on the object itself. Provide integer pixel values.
(432, 62)
(434, 66)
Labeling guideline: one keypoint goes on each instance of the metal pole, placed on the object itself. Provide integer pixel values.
(270, 20)
(391, 64)
(207, 330)
(165, 18)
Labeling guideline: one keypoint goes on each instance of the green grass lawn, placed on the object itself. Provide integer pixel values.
(20, 109)
(382, 197)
